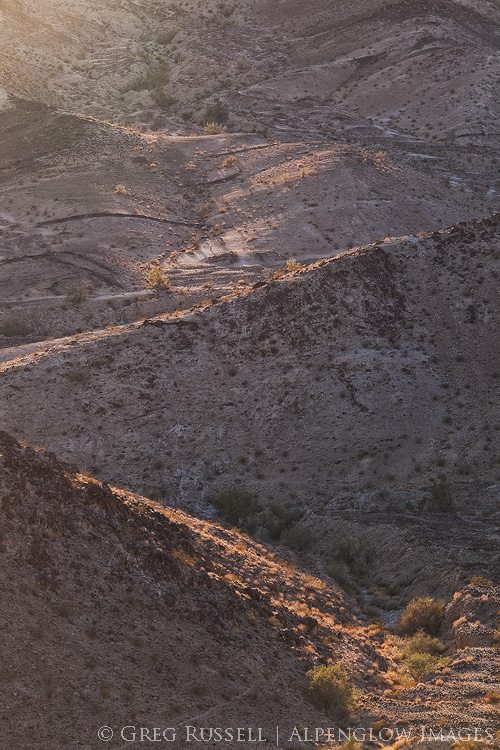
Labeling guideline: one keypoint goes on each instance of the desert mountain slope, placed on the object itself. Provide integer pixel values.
(373, 371)
(375, 119)
(223, 267)
(428, 68)
(88, 206)
(120, 612)
(116, 612)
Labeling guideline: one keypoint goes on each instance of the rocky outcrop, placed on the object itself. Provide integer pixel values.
(472, 616)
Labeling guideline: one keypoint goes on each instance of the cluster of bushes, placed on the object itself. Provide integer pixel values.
(216, 112)
(155, 77)
(216, 117)
(349, 561)
(280, 518)
(279, 523)
(421, 621)
(422, 614)
(237, 507)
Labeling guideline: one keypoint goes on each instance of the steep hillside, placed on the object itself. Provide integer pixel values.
(119, 612)
(370, 372)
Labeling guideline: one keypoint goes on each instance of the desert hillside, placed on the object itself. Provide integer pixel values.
(88, 208)
(369, 373)
(128, 613)
(428, 69)
(249, 265)
(336, 125)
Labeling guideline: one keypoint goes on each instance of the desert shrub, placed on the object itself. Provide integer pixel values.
(424, 614)
(348, 560)
(236, 506)
(281, 517)
(76, 294)
(292, 265)
(330, 689)
(155, 77)
(441, 498)
(492, 697)
(157, 279)
(12, 327)
(216, 112)
(214, 128)
(230, 161)
(422, 643)
(419, 665)
(298, 537)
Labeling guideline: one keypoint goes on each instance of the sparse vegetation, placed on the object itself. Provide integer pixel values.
(12, 328)
(422, 643)
(281, 517)
(237, 507)
(441, 498)
(348, 561)
(333, 395)
(419, 665)
(155, 77)
(298, 537)
(330, 689)
(230, 161)
(290, 266)
(157, 279)
(214, 128)
(216, 113)
(422, 614)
